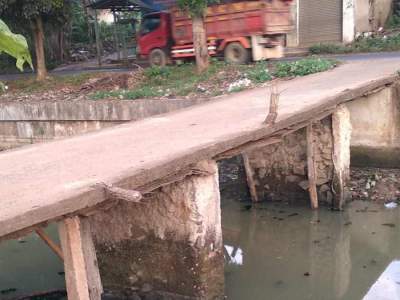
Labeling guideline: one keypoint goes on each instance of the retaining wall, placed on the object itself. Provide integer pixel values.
(24, 123)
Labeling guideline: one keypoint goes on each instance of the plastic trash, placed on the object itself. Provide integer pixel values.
(391, 204)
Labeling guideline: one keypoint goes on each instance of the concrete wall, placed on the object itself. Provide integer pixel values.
(370, 15)
(376, 129)
(24, 123)
(168, 247)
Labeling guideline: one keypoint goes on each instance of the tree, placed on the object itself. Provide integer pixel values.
(197, 10)
(33, 14)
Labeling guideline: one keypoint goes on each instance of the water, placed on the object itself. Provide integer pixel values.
(293, 253)
(274, 251)
(28, 265)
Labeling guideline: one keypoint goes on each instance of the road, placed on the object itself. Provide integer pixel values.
(356, 57)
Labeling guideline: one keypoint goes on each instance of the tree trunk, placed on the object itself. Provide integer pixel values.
(200, 44)
(38, 34)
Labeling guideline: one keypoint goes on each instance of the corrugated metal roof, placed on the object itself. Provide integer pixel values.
(121, 5)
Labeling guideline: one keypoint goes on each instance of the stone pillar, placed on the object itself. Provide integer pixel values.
(169, 245)
(349, 21)
(279, 171)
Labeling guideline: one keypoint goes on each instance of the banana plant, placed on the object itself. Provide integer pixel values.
(16, 46)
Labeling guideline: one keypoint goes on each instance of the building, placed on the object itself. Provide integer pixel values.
(336, 21)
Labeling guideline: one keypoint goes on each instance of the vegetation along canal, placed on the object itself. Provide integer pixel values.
(274, 251)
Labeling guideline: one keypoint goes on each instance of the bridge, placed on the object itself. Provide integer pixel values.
(144, 195)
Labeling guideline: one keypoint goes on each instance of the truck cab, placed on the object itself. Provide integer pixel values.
(155, 38)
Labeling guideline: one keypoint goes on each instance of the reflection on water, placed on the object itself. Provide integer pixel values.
(387, 287)
(294, 253)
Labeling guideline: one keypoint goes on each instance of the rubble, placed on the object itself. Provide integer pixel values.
(374, 184)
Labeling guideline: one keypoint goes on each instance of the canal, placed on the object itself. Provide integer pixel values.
(273, 251)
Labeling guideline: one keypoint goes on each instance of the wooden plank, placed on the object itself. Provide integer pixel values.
(341, 131)
(53, 246)
(80, 263)
(250, 178)
(312, 185)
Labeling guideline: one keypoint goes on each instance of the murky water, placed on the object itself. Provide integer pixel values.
(284, 252)
(274, 251)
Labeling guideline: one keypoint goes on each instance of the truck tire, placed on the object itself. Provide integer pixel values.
(235, 53)
(158, 58)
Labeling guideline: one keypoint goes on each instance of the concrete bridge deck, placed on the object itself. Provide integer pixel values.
(43, 182)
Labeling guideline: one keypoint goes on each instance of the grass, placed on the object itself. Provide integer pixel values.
(303, 67)
(30, 85)
(221, 78)
(362, 44)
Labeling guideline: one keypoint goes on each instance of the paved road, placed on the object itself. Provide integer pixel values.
(45, 181)
(345, 57)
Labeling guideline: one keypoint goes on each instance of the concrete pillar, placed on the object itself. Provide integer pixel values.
(349, 26)
(280, 171)
(341, 129)
(171, 244)
(375, 118)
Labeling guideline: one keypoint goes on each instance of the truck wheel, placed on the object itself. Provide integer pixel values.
(235, 53)
(158, 58)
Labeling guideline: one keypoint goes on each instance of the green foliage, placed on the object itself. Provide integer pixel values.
(183, 80)
(79, 24)
(363, 44)
(328, 49)
(3, 88)
(195, 7)
(29, 9)
(259, 73)
(154, 72)
(14, 45)
(393, 22)
(140, 93)
(303, 67)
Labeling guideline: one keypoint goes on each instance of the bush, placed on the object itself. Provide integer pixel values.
(362, 44)
(328, 49)
(393, 22)
(154, 72)
(303, 67)
(259, 73)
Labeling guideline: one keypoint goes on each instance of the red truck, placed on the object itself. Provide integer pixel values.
(238, 31)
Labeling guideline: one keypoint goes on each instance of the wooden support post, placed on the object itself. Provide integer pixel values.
(312, 185)
(341, 131)
(250, 178)
(80, 263)
(115, 33)
(53, 246)
(98, 41)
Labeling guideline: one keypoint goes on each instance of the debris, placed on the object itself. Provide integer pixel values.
(391, 205)
(247, 207)
(293, 214)
(307, 274)
(8, 291)
(391, 225)
(239, 84)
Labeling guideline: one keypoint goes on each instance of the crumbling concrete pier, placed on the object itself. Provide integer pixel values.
(143, 197)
